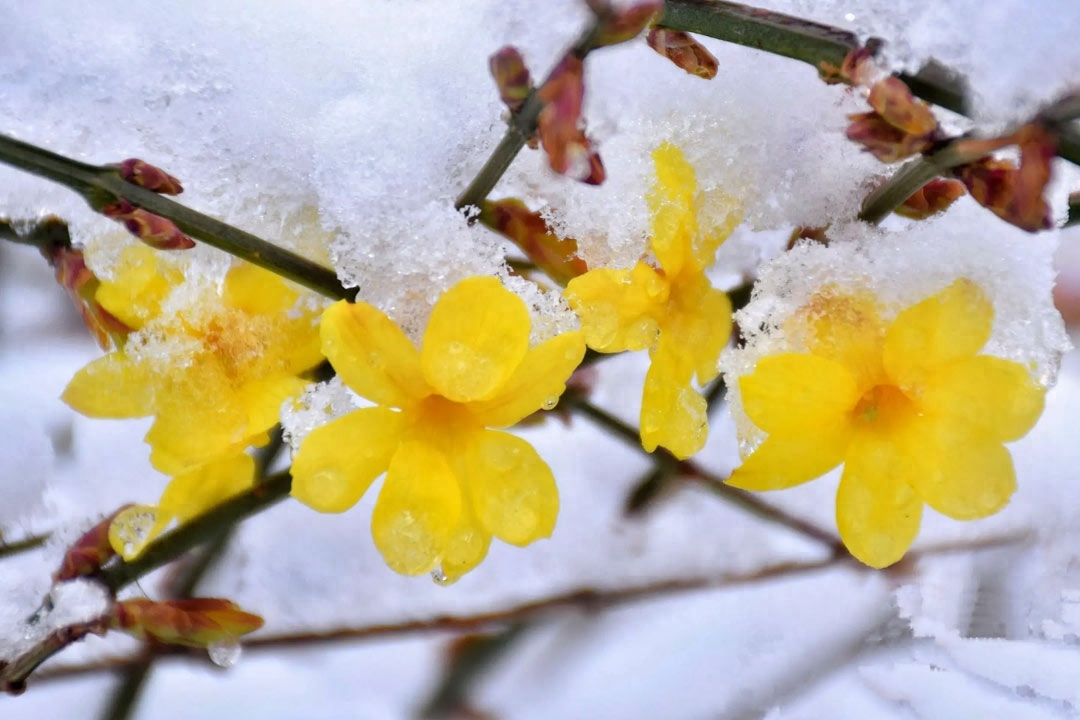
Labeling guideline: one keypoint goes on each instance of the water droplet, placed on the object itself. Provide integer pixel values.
(440, 577)
(455, 348)
(550, 403)
(224, 653)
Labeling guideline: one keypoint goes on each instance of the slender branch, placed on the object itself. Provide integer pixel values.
(451, 695)
(101, 186)
(1074, 210)
(31, 542)
(688, 468)
(521, 127)
(823, 46)
(118, 574)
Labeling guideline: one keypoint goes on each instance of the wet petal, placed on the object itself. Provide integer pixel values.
(257, 291)
(338, 461)
(997, 398)
(877, 510)
(673, 414)
(372, 355)
(698, 324)
(537, 383)
(197, 491)
(417, 511)
(113, 386)
(619, 309)
(972, 476)
(952, 325)
(674, 218)
(780, 463)
(476, 338)
(512, 488)
(467, 547)
(798, 395)
(848, 329)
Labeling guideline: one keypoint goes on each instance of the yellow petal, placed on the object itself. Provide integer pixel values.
(798, 395)
(417, 511)
(113, 386)
(847, 328)
(674, 218)
(952, 325)
(263, 398)
(972, 477)
(257, 291)
(183, 436)
(721, 214)
(780, 463)
(619, 309)
(512, 488)
(877, 510)
(467, 547)
(372, 355)
(297, 345)
(476, 338)
(192, 493)
(698, 324)
(138, 286)
(998, 398)
(673, 414)
(537, 383)
(338, 461)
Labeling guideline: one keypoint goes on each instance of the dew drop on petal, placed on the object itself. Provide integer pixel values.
(224, 653)
(442, 578)
(550, 403)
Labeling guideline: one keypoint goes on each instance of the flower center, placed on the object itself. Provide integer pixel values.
(883, 407)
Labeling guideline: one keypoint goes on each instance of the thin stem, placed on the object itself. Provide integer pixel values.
(101, 186)
(521, 127)
(31, 542)
(688, 468)
(451, 695)
(1074, 210)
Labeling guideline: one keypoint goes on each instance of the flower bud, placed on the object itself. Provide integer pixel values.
(683, 50)
(560, 126)
(554, 255)
(195, 622)
(89, 552)
(932, 198)
(154, 230)
(511, 77)
(149, 176)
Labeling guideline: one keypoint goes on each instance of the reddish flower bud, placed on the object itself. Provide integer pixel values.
(559, 124)
(933, 197)
(89, 552)
(80, 283)
(149, 176)
(196, 622)
(618, 26)
(886, 142)
(892, 99)
(154, 230)
(511, 77)
(683, 50)
(856, 69)
(805, 232)
(554, 255)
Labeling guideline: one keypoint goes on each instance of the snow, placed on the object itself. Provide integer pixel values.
(345, 131)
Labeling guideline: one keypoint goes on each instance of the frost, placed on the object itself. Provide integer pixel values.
(68, 603)
(319, 404)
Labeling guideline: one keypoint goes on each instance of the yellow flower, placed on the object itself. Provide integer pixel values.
(451, 483)
(215, 376)
(673, 311)
(187, 495)
(909, 408)
(139, 285)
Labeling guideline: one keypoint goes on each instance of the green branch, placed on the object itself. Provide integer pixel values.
(823, 46)
(101, 186)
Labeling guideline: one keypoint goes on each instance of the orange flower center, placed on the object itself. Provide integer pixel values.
(883, 408)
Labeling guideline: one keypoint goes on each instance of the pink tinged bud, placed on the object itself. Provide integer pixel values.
(81, 285)
(196, 622)
(89, 552)
(511, 77)
(618, 26)
(554, 255)
(149, 176)
(882, 139)
(683, 50)
(932, 198)
(560, 124)
(900, 126)
(154, 230)
(892, 99)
